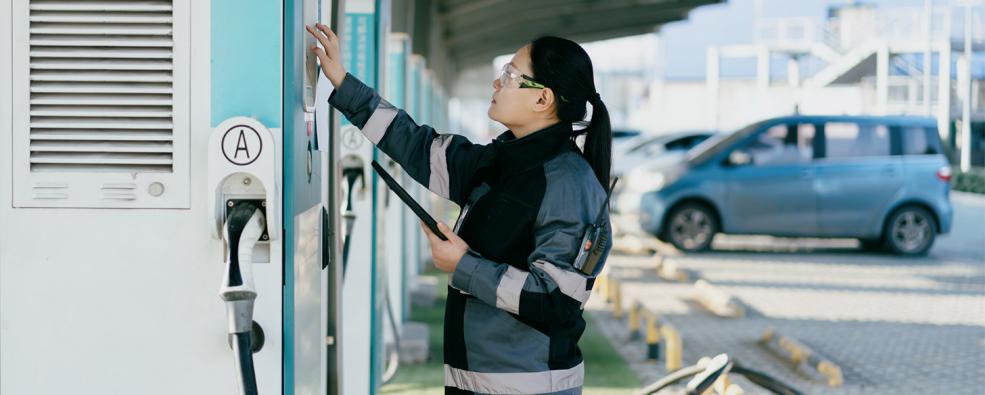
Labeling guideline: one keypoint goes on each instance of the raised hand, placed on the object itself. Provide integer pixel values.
(329, 54)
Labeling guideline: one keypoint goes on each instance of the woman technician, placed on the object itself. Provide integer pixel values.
(514, 311)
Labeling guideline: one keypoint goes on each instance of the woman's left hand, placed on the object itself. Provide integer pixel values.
(445, 254)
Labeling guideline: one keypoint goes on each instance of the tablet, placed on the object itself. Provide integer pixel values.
(416, 208)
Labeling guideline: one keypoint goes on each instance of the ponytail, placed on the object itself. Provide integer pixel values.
(566, 68)
(598, 141)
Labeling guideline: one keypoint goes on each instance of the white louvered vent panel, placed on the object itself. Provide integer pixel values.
(102, 103)
(101, 87)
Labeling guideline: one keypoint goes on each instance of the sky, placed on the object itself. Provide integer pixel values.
(684, 43)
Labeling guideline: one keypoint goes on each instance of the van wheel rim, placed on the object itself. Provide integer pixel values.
(911, 231)
(691, 228)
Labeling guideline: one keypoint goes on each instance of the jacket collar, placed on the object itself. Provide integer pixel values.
(517, 154)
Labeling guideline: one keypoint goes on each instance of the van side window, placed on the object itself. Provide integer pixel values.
(851, 140)
(920, 141)
(782, 145)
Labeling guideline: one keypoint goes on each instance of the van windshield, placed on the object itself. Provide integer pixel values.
(714, 145)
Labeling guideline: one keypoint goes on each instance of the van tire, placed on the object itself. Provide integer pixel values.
(691, 227)
(910, 231)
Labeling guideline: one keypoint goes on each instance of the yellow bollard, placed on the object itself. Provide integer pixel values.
(832, 372)
(658, 261)
(674, 347)
(617, 300)
(717, 301)
(604, 288)
(652, 338)
(634, 321)
(725, 386)
(802, 357)
(734, 389)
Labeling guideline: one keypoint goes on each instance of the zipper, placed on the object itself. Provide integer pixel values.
(474, 197)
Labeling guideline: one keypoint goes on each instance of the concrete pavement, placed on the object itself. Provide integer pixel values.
(894, 325)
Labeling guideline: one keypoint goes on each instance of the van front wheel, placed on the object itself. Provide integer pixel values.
(691, 227)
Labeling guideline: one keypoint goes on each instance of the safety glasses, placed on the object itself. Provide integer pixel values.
(512, 77)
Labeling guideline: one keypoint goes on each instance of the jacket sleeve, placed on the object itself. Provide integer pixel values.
(444, 163)
(552, 290)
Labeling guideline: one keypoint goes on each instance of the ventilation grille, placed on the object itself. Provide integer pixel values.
(101, 86)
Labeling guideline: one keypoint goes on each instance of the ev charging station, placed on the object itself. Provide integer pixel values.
(361, 42)
(398, 247)
(182, 212)
(415, 107)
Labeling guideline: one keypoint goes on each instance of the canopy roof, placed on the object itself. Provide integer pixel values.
(474, 31)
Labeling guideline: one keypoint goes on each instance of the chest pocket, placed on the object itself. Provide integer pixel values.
(474, 197)
(507, 225)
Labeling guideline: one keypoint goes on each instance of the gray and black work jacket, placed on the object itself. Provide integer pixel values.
(514, 311)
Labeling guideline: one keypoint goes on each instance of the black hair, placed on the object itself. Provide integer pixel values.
(564, 66)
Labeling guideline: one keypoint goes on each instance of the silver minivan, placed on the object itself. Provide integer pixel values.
(882, 180)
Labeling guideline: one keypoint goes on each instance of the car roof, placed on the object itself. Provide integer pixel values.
(688, 133)
(674, 135)
(733, 138)
(902, 120)
(648, 139)
(626, 133)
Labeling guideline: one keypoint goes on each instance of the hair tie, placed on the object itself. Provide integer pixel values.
(595, 99)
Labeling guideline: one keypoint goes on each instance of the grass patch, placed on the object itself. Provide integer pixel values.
(427, 378)
(973, 181)
(605, 370)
